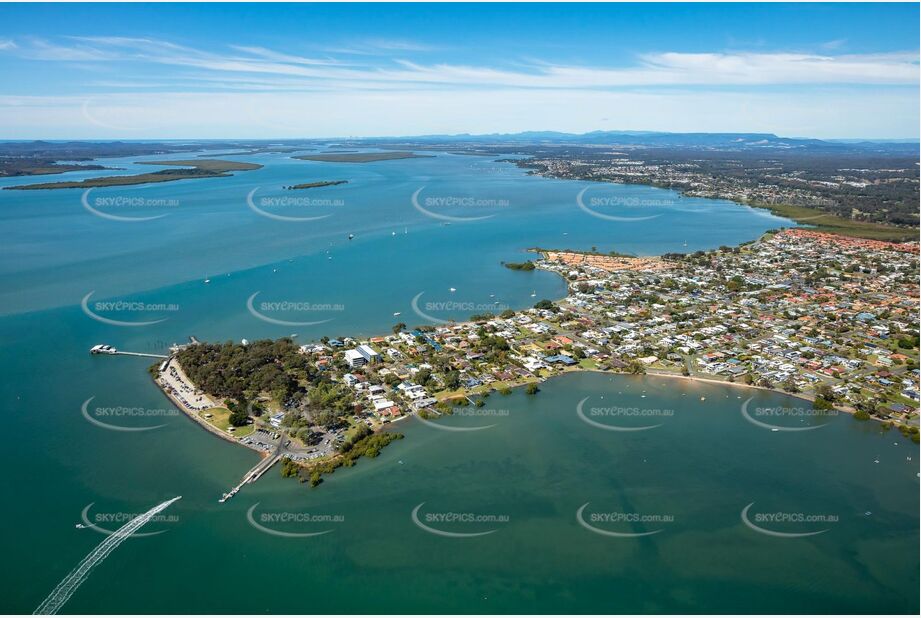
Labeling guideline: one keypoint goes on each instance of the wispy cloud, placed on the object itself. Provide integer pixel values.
(138, 87)
(240, 63)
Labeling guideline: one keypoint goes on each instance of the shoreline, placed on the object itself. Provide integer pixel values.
(192, 415)
(663, 374)
(539, 379)
(802, 216)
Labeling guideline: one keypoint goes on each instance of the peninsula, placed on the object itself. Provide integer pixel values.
(828, 319)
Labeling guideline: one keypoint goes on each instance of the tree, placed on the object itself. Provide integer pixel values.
(288, 467)
(532, 389)
(398, 327)
(452, 379)
(423, 377)
(238, 417)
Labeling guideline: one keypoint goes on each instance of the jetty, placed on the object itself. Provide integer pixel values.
(257, 471)
(104, 348)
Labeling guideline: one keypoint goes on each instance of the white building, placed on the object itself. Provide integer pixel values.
(355, 358)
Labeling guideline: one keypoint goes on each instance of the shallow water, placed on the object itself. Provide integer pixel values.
(536, 466)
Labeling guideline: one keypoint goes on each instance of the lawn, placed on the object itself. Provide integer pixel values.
(220, 418)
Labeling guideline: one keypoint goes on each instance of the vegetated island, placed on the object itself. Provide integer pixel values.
(197, 168)
(528, 265)
(732, 316)
(315, 185)
(362, 157)
(261, 150)
(15, 166)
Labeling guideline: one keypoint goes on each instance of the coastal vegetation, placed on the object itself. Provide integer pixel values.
(834, 224)
(369, 445)
(316, 185)
(528, 265)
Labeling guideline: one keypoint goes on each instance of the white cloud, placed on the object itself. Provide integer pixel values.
(660, 69)
(165, 90)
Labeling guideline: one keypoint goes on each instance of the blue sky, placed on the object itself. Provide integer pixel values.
(329, 70)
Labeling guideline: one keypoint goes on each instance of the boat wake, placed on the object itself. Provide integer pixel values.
(69, 585)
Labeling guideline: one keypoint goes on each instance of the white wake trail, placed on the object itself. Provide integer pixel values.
(69, 585)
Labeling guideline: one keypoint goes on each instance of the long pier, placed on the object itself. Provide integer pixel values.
(120, 353)
(253, 475)
(108, 350)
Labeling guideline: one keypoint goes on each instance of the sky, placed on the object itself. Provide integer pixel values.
(199, 71)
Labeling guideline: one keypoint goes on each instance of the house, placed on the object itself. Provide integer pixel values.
(382, 404)
(424, 402)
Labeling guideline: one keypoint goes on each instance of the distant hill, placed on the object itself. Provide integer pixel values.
(652, 139)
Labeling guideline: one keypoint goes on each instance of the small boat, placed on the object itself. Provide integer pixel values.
(703, 398)
(453, 289)
(774, 429)
(351, 236)
(79, 526)
(396, 313)
(876, 461)
(207, 280)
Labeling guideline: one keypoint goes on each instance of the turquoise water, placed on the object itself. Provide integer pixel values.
(536, 466)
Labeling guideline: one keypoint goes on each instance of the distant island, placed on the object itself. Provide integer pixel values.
(11, 166)
(314, 185)
(199, 168)
(362, 157)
